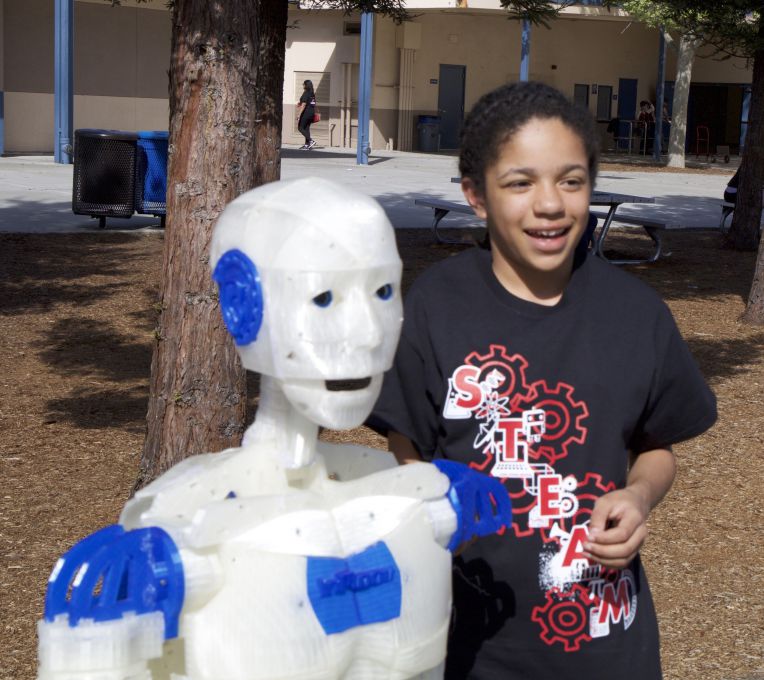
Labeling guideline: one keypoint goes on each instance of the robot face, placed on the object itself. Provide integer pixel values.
(330, 352)
(327, 310)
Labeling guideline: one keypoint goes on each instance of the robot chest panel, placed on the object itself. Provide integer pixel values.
(312, 616)
(337, 531)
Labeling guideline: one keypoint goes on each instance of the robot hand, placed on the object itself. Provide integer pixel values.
(481, 503)
(111, 602)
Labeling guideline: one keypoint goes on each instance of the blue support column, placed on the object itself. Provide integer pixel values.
(2, 122)
(64, 80)
(525, 51)
(659, 94)
(364, 88)
(744, 116)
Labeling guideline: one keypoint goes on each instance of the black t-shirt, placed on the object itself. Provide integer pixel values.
(551, 400)
(310, 102)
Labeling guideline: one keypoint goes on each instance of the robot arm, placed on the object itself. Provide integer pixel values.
(481, 503)
(111, 602)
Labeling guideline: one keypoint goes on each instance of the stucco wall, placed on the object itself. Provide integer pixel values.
(317, 44)
(709, 68)
(121, 57)
(488, 45)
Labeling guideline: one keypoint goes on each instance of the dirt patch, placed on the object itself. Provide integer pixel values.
(649, 166)
(77, 316)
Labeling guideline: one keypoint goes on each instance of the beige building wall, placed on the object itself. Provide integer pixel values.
(614, 50)
(121, 57)
(317, 45)
(708, 68)
(488, 45)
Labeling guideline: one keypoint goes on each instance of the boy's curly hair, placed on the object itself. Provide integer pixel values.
(499, 114)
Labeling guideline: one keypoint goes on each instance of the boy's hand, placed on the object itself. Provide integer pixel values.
(617, 528)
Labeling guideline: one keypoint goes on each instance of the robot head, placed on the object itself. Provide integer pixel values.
(309, 281)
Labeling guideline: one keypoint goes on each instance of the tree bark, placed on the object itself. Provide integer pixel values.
(678, 134)
(744, 231)
(226, 83)
(754, 311)
(747, 215)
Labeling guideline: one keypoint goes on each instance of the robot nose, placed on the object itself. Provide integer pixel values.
(367, 328)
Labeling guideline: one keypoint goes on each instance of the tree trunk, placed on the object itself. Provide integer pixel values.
(226, 84)
(747, 215)
(754, 311)
(744, 231)
(678, 134)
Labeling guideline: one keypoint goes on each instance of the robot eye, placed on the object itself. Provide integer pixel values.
(385, 292)
(323, 299)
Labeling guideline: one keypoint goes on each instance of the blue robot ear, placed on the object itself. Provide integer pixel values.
(241, 296)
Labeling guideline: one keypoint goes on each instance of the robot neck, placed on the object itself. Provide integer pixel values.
(280, 428)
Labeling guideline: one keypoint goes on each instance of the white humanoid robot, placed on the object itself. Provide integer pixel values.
(287, 557)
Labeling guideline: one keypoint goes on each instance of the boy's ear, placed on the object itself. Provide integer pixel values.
(474, 197)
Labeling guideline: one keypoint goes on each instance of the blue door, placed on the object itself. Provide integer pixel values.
(451, 104)
(627, 98)
(627, 109)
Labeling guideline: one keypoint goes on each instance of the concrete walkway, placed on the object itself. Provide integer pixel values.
(36, 194)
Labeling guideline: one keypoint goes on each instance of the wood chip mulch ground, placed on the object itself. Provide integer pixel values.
(77, 315)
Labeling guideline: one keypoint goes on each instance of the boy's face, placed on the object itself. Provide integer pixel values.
(536, 205)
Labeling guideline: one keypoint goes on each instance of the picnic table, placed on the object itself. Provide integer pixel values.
(613, 201)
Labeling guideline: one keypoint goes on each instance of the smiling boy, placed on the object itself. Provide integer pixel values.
(562, 376)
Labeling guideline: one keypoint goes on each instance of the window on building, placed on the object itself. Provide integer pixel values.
(351, 28)
(604, 99)
(581, 95)
(322, 87)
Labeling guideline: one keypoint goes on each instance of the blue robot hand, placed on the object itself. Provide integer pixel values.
(113, 572)
(481, 502)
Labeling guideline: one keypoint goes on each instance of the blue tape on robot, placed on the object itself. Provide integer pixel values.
(113, 572)
(241, 295)
(355, 591)
(481, 502)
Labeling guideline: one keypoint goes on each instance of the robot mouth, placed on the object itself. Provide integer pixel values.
(349, 385)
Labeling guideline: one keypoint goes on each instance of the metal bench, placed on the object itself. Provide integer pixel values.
(652, 227)
(441, 208)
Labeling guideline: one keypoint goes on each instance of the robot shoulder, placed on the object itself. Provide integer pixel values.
(174, 497)
(113, 573)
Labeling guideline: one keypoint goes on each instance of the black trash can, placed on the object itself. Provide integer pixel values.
(104, 173)
(151, 181)
(429, 133)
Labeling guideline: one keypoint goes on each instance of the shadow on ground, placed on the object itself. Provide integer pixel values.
(316, 153)
(40, 271)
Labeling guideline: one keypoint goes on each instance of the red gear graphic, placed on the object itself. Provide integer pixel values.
(564, 618)
(587, 492)
(564, 419)
(511, 367)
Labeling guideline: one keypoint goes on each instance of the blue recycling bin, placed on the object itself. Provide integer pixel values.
(151, 173)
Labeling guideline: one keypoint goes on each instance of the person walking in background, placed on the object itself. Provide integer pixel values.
(306, 109)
